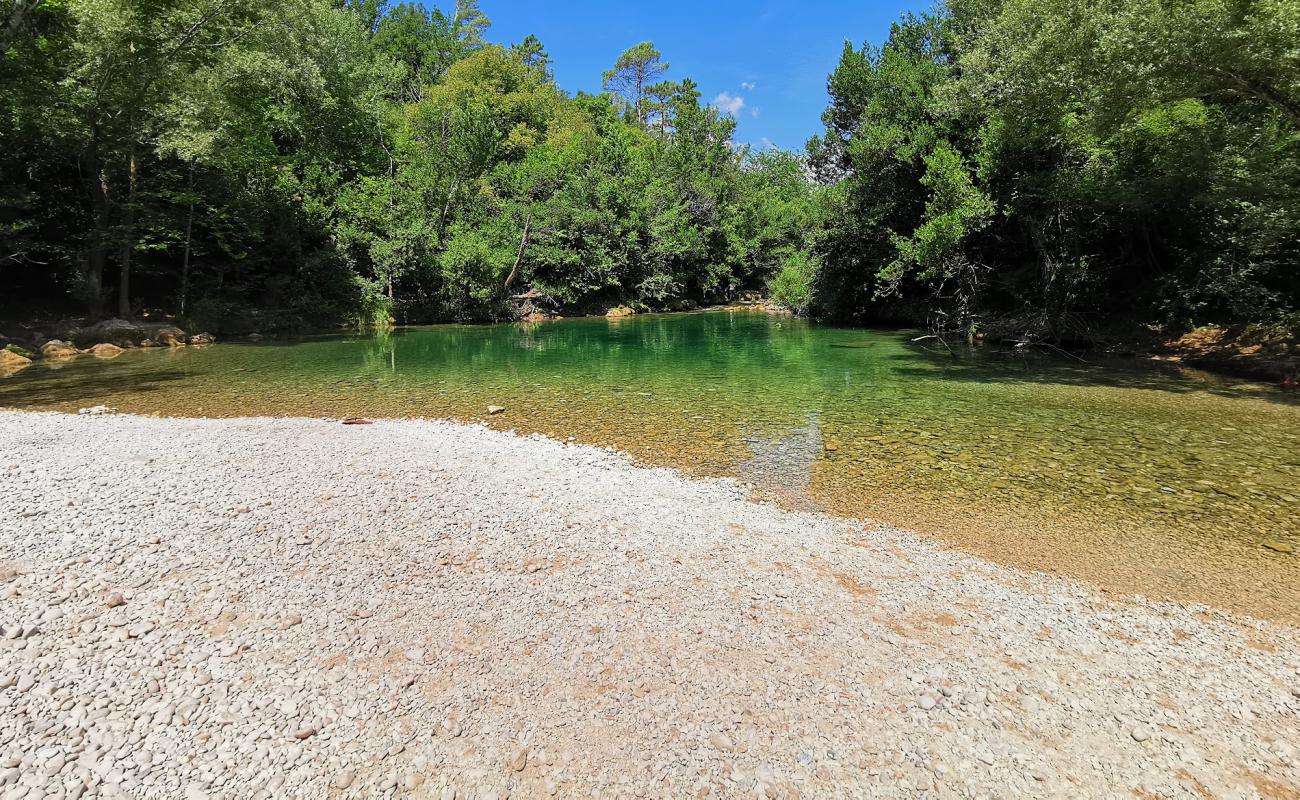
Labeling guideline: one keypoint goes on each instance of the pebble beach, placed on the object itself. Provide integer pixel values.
(299, 608)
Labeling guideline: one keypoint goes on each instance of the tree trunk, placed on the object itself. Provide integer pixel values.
(97, 246)
(189, 231)
(128, 241)
(446, 208)
(640, 96)
(96, 256)
(16, 14)
(523, 245)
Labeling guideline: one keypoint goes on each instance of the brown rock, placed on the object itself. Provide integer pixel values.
(619, 311)
(56, 349)
(11, 362)
(106, 350)
(1280, 547)
(114, 599)
(169, 336)
(519, 760)
(494, 410)
(201, 339)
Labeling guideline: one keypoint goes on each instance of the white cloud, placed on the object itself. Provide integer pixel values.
(728, 103)
(767, 143)
(753, 112)
(747, 86)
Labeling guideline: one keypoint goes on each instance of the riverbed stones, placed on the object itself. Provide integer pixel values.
(1279, 547)
(677, 638)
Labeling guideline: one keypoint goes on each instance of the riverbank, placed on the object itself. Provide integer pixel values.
(1246, 351)
(21, 345)
(228, 607)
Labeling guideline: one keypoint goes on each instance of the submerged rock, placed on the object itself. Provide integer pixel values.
(11, 362)
(1279, 547)
(106, 350)
(494, 410)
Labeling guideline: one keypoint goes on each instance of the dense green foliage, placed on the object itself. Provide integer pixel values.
(329, 161)
(1130, 158)
(1054, 161)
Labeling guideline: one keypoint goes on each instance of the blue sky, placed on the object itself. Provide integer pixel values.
(766, 60)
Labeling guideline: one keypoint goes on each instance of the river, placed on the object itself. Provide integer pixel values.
(1135, 476)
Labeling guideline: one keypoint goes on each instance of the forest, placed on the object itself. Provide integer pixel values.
(308, 163)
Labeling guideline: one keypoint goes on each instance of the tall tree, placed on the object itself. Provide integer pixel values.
(635, 71)
(534, 54)
(470, 23)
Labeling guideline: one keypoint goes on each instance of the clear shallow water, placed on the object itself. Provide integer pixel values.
(1131, 475)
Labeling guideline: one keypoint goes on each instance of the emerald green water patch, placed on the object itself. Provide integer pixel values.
(1139, 476)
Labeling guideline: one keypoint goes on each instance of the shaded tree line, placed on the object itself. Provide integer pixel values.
(1064, 161)
(326, 161)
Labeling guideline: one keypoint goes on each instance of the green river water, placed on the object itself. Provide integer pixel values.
(1131, 475)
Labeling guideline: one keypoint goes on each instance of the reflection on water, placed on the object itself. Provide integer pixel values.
(1138, 476)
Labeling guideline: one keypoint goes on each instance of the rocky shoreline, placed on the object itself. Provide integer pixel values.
(258, 607)
(105, 339)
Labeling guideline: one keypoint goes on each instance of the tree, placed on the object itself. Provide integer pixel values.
(532, 53)
(637, 69)
(470, 24)
(907, 202)
(423, 42)
(35, 186)
(659, 98)
(128, 59)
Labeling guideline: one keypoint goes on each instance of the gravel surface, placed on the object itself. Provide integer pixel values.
(265, 608)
